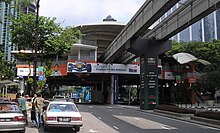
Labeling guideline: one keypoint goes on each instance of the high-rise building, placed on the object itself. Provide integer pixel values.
(6, 12)
(205, 30)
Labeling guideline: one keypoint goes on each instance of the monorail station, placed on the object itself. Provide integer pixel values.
(83, 68)
(117, 63)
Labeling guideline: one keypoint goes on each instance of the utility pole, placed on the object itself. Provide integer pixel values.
(35, 46)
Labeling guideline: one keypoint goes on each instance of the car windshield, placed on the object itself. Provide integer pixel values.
(62, 108)
(8, 107)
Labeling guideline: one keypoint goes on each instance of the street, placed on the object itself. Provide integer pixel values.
(116, 119)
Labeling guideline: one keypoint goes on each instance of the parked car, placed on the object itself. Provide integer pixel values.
(11, 117)
(62, 114)
(59, 98)
(3, 99)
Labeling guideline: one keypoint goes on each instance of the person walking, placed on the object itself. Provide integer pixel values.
(33, 111)
(39, 104)
(22, 105)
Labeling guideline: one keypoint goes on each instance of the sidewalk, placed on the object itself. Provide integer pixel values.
(184, 117)
(202, 106)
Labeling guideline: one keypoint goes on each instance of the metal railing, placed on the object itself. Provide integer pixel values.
(41, 63)
(81, 58)
(88, 42)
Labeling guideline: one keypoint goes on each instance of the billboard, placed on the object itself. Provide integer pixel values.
(24, 71)
(81, 67)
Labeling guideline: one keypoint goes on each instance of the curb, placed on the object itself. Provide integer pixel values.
(184, 117)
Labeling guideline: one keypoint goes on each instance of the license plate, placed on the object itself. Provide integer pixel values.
(64, 119)
(5, 120)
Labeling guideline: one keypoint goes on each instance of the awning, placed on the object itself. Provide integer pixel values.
(183, 58)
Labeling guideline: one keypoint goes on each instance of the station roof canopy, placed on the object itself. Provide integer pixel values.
(102, 33)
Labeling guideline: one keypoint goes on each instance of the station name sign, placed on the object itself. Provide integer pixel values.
(102, 68)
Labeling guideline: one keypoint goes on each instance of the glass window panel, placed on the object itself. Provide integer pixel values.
(209, 29)
(184, 35)
(218, 23)
(197, 31)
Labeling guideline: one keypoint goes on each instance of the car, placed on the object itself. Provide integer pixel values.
(59, 98)
(62, 114)
(11, 117)
(2, 99)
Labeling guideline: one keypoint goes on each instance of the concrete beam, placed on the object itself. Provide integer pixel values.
(150, 12)
(187, 14)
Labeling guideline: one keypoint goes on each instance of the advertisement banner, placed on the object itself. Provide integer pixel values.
(102, 68)
(24, 71)
(40, 73)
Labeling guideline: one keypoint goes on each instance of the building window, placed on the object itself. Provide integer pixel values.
(209, 29)
(197, 31)
(218, 23)
(184, 35)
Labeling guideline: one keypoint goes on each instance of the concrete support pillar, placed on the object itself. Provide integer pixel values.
(22, 85)
(114, 89)
(148, 51)
(149, 82)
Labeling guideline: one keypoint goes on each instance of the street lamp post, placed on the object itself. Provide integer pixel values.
(35, 46)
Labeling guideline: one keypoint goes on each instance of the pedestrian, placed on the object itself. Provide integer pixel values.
(39, 104)
(22, 105)
(33, 111)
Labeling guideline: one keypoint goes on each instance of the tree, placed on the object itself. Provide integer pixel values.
(6, 68)
(208, 83)
(210, 51)
(50, 39)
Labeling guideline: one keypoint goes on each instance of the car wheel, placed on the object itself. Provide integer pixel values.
(77, 129)
(23, 131)
(46, 128)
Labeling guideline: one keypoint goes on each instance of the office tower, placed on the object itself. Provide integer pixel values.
(6, 12)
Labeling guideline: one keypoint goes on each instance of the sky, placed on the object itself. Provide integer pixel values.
(78, 12)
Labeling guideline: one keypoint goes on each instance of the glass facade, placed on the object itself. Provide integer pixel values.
(218, 23)
(197, 31)
(209, 30)
(7, 10)
(204, 30)
(184, 35)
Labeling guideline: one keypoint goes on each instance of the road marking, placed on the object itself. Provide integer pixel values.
(120, 113)
(116, 127)
(206, 127)
(90, 106)
(92, 131)
(136, 119)
(109, 107)
(100, 118)
(168, 128)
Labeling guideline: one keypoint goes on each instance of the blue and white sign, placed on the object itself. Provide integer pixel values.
(103, 68)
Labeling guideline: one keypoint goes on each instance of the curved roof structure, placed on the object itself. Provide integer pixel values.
(102, 33)
(183, 58)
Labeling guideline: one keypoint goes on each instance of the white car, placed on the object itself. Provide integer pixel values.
(62, 114)
(11, 117)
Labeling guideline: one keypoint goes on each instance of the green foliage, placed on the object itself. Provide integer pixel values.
(49, 38)
(48, 70)
(30, 81)
(208, 82)
(41, 83)
(20, 2)
(210, 51)
(6, 68)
